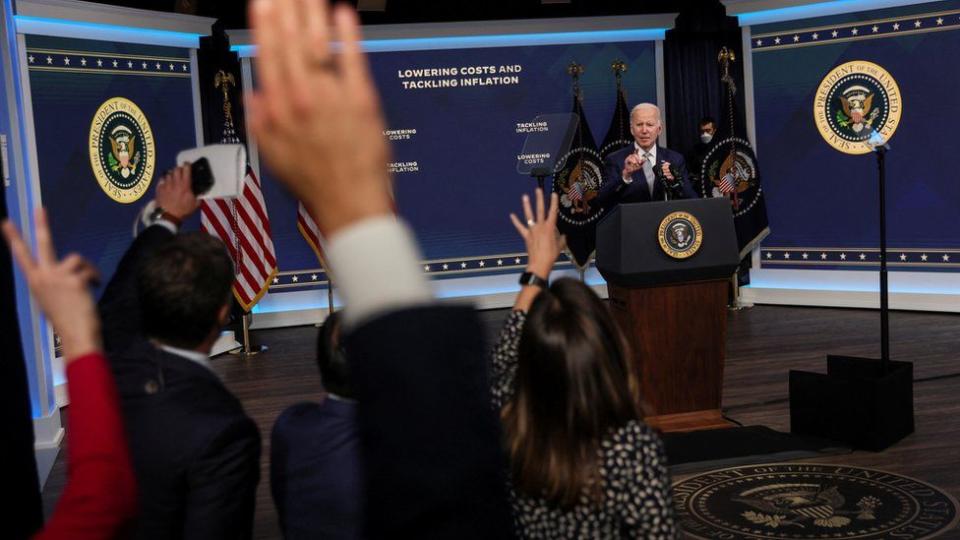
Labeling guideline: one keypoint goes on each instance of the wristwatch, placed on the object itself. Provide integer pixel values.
(159, 213)
(529, 278)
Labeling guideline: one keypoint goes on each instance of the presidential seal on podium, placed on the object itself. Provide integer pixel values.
(680, 235)
(122, 150)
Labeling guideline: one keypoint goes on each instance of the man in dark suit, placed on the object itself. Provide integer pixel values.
(195, 452)
(315, 472)
(644, 171)
(430, 441)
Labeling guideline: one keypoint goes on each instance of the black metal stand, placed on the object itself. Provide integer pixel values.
(540, 173)
(860, 401)
(881, 152)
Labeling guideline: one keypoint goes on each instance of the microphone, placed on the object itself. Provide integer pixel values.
(671, 189)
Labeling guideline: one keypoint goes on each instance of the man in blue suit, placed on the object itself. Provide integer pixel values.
(315, 474)
(644, 171)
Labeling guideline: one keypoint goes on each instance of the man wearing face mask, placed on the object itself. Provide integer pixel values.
(708, 129)
(644, 171)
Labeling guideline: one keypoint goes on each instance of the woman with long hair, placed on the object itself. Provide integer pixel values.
(582, 462)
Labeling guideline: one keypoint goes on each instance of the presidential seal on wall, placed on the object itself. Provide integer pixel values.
(852, 102)
(680, 235)
(122, 150)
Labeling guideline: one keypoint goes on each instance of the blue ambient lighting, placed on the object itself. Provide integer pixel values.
(498, 40)
(818, 9)
(105, 32)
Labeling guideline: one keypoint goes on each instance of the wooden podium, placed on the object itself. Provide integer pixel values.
(672, 307)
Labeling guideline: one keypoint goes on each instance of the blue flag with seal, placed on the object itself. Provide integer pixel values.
(577, 179)
(730, 169)
(618, 134)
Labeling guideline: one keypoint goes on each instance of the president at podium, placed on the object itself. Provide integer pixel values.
(643, 171)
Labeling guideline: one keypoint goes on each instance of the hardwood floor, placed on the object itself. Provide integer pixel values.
(764, 343)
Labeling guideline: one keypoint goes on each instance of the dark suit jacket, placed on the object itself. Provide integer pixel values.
(430, 440)
(195, 452)
(315, 472)
(614, 191)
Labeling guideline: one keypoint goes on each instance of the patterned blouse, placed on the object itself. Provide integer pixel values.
(637, 501)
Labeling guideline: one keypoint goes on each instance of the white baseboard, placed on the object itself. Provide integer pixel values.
(48, 431)
(487, 292)
(911, 291)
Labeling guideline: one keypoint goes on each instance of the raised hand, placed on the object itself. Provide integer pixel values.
(174, 193)
(316, 114)
(544, 243)
(62, 288)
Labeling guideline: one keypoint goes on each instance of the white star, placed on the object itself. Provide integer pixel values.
(99, 62)
(863, 257)
(939, 21)
(823, 256)
(875, 29)
(923, 257)
(903, 256)
(946, 258)
(295, 279)
(171, 67)
(463, 265)
(786, 255)
(426, 268)
(843, 256)
(31, 58)
(482, 264)
(759, 42)
(66, 61)
(517, 260)
(158, 65)
(129, 64)
(276, 280)
(184, 66)
(896, 26)
(796, 38)
(447, 266)
(769, 255)
(83, 62)
(805, 256)
(834, 33)
(916, 24)
(500, 261)
(49, 60)
(144, 64)
(313, 277)
(815, 35)
(777, 41)
(854, 31)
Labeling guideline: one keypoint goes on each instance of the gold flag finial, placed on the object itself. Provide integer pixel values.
(224, 81)
(618, 66)
(575, 70)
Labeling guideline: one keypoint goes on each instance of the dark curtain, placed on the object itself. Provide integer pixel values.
(23, 512)
(693, 87)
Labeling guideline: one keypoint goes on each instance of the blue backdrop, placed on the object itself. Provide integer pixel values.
(823, 204)
(455, 148)
(69, 80)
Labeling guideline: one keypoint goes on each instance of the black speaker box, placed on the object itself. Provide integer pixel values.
(856, 402)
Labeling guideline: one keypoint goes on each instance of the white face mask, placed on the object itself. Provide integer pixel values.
(705, 138)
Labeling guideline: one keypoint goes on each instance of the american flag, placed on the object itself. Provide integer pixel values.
(308, 228)
(243, 225)
(576, 192)
(727, 183)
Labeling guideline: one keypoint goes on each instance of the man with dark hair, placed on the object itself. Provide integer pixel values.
(315, 472)
(195, 452)
(707, 129)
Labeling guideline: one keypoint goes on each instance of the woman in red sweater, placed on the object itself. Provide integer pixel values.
(99, 500)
